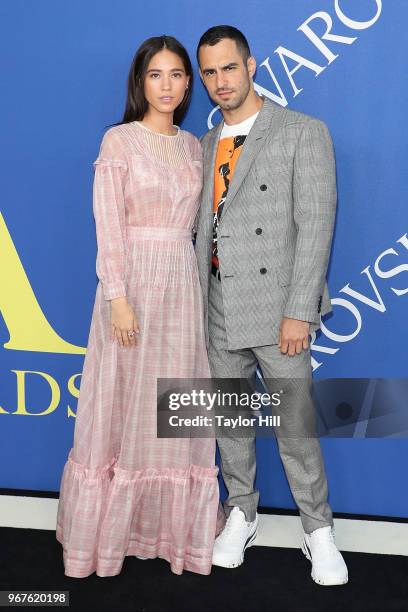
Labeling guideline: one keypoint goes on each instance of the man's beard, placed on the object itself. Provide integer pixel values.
(234, 104)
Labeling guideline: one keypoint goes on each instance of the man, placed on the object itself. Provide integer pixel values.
(263, 241)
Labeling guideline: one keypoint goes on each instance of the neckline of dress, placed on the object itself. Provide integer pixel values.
(188, 161)
(159, 133)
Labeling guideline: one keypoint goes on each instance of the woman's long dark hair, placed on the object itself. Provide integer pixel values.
(136, 103)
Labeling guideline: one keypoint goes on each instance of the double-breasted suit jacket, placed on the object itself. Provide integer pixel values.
(275, 232)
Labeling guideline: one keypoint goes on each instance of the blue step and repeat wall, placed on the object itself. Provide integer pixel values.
(64, 71)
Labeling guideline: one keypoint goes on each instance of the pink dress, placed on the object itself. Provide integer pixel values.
(123, 490)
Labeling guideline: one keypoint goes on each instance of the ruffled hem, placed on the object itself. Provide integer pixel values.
(107, 513)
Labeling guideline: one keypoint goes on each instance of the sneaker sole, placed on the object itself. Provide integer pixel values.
(306, 551)
(248, 543)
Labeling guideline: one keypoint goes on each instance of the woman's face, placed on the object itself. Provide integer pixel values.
(165, 81)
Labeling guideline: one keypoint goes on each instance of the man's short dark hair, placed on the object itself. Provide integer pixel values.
(217, 33)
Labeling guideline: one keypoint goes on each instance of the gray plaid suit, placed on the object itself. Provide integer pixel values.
(274, 240)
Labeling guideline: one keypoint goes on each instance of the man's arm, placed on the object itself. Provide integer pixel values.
(314, 200)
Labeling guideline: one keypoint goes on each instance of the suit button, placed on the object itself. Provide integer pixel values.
(258, 230)
(263, 270)
(263, 188)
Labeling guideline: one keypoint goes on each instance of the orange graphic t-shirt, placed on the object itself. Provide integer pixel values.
(229, 148)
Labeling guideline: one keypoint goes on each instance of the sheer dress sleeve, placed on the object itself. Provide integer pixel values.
(197, 156)
(111, 171)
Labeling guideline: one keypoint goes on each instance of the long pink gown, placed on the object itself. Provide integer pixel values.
(123, 490)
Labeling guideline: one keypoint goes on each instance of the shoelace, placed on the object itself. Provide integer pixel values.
(231, 525)
(327, 542)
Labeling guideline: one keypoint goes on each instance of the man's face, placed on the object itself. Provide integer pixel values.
(225, 75)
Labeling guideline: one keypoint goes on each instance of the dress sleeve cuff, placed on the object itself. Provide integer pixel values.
(113, 290)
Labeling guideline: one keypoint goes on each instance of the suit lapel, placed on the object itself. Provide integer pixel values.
(210, 153)
(268, 122)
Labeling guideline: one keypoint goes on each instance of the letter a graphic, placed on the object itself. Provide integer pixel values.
(26, 323)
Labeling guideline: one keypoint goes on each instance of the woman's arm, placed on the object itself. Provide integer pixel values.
(111, 171)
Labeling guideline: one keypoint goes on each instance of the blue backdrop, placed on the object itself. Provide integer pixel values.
(64, 70)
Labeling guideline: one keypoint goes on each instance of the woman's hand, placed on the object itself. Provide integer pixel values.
(123, 319)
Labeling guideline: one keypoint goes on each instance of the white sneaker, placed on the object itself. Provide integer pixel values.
(237, 535)
(328, 566)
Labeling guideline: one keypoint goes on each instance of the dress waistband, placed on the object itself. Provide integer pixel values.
(138, 232)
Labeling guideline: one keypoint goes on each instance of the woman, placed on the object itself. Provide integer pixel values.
(123, 490)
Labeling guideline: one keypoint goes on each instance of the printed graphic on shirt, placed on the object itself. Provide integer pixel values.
(228, 153)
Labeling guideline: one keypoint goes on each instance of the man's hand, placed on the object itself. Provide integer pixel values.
(293, 336)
